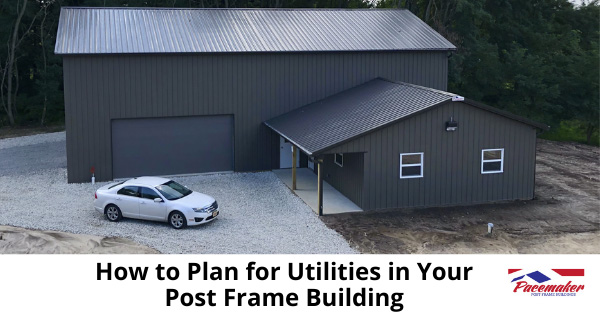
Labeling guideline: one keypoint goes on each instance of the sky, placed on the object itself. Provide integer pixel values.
(576, 2)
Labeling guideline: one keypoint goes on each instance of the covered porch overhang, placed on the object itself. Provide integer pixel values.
(321, 196)
(307, 189)
(311, 188)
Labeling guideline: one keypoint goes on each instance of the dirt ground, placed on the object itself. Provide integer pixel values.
(15, 240)
(12, 132)
(563, 219)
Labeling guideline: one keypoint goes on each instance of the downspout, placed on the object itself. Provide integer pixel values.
(320, 185)
(294, 161)
(535, 161)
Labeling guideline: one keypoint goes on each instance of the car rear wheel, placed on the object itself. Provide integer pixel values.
(113, 213)
(177, 220)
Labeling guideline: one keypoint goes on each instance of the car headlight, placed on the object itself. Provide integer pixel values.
(203, 209)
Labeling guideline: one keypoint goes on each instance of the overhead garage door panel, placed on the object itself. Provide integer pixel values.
(175, 145)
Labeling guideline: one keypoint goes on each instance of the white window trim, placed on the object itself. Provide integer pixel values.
(501, 160)
(422, 165)
(335, 160)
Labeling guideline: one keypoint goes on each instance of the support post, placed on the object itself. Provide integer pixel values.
(294, 150)
(320, 186)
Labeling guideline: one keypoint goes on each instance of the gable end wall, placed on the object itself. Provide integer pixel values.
(452, 160)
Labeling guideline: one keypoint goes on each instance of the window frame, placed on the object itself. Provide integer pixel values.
(335, 159)
(501, 160)
(422, 165)
(141, 193)
(138, 193)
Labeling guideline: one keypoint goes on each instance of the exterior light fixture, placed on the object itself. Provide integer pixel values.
(451, 125)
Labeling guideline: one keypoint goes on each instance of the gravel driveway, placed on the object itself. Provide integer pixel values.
(30, 154)
(258, 213)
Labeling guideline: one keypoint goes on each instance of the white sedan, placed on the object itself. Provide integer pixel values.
(156, 199)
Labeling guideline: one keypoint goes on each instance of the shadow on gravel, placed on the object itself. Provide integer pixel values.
(23, 160)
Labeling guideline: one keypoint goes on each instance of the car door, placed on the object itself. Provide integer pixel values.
(128, 200)
(150, 209)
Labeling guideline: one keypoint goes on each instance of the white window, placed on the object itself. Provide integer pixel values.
(492, 161)
(338, 159)
(411, 165)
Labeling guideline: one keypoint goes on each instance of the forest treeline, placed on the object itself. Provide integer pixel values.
(536, 58)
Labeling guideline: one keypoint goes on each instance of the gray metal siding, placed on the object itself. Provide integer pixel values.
(252, 87)
(347, 179)
(452, 160)
(175, 145)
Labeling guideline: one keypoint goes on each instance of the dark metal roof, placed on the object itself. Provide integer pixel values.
(332, 121)
(167, 30)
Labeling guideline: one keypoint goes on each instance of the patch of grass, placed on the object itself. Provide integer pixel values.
(570, 131)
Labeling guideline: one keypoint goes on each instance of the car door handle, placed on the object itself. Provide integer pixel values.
(142, 202)
(118, 198)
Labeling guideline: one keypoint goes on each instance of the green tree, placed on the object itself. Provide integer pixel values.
(536, 58)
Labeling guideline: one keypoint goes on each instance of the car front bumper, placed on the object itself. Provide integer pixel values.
(201, 218)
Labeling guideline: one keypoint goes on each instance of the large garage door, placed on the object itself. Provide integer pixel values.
(167, 146)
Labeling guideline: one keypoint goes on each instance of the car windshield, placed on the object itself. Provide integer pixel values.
(173, 190)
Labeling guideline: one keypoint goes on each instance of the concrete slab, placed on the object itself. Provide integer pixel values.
(306, 184)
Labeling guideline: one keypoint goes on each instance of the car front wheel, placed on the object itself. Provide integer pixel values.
(113, 213)
(177, 220)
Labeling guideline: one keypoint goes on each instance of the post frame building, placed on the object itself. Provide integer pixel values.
(358, 93)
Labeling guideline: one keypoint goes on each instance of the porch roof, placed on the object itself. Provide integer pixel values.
(332, 121)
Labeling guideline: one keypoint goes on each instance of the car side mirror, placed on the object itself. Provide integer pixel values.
(158, 200)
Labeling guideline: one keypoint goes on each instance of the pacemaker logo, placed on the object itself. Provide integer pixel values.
(553, 282)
